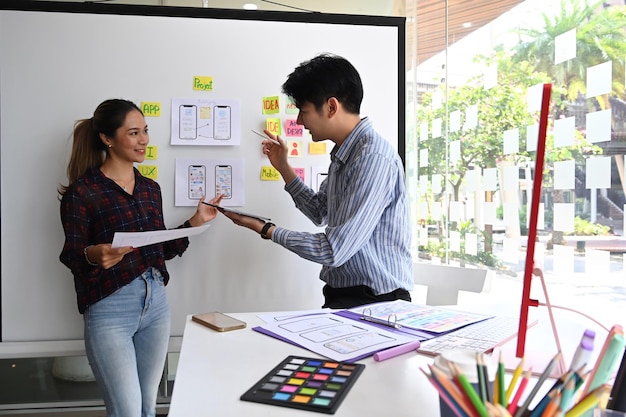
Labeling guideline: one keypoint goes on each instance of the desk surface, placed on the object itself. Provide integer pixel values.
(215, 369)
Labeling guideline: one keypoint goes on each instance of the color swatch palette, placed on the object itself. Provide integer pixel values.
(306, 383)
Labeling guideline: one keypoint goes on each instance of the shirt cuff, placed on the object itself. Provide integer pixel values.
(280, 235)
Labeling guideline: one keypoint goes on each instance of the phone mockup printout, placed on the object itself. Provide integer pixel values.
(196, 183)
(187, 121)
(218, 321)
(221, 123)
(224, 180)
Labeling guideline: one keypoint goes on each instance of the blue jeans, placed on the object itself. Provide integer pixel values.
(126, 338)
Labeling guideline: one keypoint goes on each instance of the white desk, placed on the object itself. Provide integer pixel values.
(215, 369)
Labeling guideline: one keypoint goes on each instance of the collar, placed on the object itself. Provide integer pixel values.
(342, 153)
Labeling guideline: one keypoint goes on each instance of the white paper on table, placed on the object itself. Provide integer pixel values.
(139, 239)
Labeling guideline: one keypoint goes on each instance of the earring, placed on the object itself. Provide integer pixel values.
(109, 145)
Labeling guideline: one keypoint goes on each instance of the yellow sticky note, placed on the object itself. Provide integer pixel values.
(149, 171)
(273, 125)
(205, 112)
(150, 109)
(271, 105)
(203, 83)
(269, 173)
(317, 148)
(295, 148)
(152, 152)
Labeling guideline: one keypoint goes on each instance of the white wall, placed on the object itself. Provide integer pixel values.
(55, 68)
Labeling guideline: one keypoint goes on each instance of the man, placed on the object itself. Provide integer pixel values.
(365, 248)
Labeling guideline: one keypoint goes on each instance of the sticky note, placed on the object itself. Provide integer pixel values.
(291, 108)
(205, 112)
(317, 148)
(269, 173)
(203, 83)
(300, 173)
(150, 109)
(149, 171)
(295, 148)
(273, 126)
(293, 129)
(152, 152)
(271, 105)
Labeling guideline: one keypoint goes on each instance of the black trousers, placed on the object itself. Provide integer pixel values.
(349, 297)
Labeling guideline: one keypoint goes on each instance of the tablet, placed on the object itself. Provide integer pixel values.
(230, 210)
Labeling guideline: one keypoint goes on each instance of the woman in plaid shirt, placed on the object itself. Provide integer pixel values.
(120, 291)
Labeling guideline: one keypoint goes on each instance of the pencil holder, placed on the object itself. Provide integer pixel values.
(465, 360)
(608, 413)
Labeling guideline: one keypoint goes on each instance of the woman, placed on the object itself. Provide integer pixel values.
(120, 291)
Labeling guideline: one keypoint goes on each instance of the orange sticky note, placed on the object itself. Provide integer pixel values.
(295, 148)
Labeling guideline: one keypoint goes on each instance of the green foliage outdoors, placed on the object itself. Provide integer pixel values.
(600, 37)
(586, 228)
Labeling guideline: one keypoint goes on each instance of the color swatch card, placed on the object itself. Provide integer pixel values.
(306, 384)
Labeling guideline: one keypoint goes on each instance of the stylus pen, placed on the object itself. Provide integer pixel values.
(395, 351)
(266, 137)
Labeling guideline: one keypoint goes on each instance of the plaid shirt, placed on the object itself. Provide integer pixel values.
(93, 208)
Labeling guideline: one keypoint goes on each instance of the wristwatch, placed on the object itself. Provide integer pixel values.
(265, 229)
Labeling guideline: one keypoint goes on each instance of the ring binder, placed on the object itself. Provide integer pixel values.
(367, 316)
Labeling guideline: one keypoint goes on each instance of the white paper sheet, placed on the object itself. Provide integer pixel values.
(139, 239)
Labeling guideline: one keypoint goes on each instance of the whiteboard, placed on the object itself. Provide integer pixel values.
(58, 62)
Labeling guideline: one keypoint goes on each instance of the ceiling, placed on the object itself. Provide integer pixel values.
(430, 15)
(464, 17)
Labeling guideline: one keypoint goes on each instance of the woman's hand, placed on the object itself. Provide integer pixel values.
(204, 212)
(106, 256)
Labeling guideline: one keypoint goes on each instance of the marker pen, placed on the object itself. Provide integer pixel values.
(583, 353)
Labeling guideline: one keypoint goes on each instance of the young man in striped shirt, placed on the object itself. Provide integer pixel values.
(365, 247)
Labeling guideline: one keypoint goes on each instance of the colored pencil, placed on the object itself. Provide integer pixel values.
(588, 402)
(447, 398)
(453, 390)
(558, 385)
(512, 408)
(553, 404)
(481, 371)
(521, 410)
(516, 375)
(501, 390)
(567, 394)
(478, 405)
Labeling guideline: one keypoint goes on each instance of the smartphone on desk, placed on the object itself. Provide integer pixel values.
(218, 321)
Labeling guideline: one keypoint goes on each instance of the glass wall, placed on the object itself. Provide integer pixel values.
(472, 135)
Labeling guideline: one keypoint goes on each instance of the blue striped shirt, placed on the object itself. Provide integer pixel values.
(364, 205)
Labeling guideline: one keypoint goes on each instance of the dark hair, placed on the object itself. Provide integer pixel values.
(88, 150)
(323, 77)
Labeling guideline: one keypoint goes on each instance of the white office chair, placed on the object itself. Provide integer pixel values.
(444, 282)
